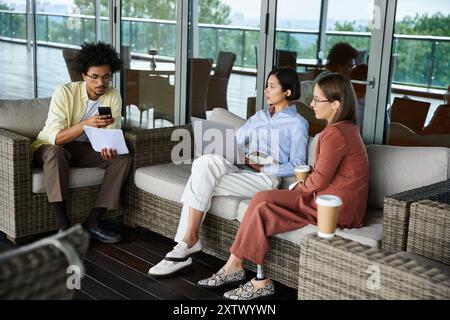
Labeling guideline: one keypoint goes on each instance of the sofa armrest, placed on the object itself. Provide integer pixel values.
(429, 228)
(154, 146)
(15, 167)
(344, 269)
(396, 212)
(15, 179)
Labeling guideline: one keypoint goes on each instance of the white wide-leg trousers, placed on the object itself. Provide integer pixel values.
(212, 175)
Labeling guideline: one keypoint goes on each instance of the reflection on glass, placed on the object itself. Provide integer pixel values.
(226, 35)
(61, 27)
(148, 49)
(347, 44)
(296, 36)
(16, 59)
(417, 108)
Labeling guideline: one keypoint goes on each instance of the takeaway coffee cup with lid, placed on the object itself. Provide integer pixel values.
(327, 215)
(302, 171)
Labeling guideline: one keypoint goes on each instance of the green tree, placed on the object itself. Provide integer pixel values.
(415, 57)
(214, 11)
(435, 25)
(211, 11)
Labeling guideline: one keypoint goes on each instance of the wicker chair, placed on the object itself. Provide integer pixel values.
(70, 56)
(199, 74)
(22, 212)
(40, 270)
(218, 83)
(411, 113)
(440, 123)
(413, 264)
(400, 135)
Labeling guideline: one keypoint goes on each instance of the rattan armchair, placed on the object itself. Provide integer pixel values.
(40, 270)
(22, 212)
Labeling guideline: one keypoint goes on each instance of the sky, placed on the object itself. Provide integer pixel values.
(340, 9)
(309, 9)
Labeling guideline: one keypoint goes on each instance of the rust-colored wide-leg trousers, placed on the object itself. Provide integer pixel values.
(269, 213)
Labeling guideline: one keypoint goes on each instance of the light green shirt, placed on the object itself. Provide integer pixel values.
(67, 107)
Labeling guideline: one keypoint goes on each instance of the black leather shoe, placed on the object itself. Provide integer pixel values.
(104, 236)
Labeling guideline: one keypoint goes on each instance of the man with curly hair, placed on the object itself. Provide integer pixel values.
(63, 143)
(341, 58)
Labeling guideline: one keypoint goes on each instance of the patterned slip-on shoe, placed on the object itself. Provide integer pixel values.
(219, 279)
(249, 292)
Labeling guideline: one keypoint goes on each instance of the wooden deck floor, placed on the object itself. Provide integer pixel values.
(119, 271)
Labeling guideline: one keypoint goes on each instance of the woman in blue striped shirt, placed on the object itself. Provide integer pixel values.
(280, 133)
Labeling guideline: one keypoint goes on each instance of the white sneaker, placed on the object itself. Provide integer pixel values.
(167, 268)
(181, 251)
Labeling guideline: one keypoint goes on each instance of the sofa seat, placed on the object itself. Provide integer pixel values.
(371, 234)
(79, 177)
(168, 181)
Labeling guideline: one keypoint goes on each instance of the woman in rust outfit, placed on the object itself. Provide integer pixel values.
(341, 169)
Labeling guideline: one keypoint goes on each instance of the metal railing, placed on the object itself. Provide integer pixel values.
(423, 60)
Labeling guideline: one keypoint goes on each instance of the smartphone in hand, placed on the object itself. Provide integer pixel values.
(104, 111)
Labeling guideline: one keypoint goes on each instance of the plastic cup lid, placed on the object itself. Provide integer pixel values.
(302, 168)
(329, 200)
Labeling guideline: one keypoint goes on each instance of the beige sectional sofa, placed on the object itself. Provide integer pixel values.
(154, 196)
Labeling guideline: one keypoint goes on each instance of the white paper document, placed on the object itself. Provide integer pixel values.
(106, 138)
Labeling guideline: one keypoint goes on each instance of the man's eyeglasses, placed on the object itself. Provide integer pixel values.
(105, 78)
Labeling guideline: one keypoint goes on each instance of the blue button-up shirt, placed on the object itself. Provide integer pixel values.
(284, 136)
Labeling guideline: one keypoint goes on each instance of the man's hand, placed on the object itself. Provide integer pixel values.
(98, 121)
(255, 166)
(108, 154)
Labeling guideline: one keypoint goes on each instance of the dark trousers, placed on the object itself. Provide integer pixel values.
(56, 160)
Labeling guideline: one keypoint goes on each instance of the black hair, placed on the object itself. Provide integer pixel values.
(341, 53)
(98, 54)
(288, 79)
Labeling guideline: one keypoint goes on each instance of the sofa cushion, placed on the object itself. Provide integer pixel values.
(79, 177)
(25, 116)
(165, 180)
(224, 116)
(312, 149)
(395, 169)
(168, 181)
(371, 234)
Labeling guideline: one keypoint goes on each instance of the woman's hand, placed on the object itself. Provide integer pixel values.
(257, 167)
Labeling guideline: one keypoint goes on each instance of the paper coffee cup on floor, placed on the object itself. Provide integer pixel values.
(302, 171)
(327, 215)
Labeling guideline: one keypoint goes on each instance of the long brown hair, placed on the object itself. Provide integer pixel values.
(337, 87)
